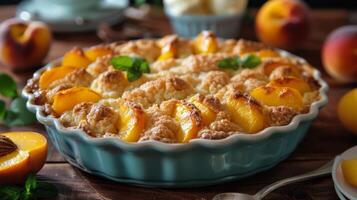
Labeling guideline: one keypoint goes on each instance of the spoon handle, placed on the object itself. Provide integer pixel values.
(322, 171)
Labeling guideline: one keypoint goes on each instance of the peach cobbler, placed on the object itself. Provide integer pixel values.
(173, 89)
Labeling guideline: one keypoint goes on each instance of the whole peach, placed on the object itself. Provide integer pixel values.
(23, 44)
(339, 54)
(283, 23)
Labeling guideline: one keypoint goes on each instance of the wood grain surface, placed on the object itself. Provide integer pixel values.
(325, 139)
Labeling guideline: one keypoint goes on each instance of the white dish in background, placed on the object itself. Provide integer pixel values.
(339, 194)
(337, 176)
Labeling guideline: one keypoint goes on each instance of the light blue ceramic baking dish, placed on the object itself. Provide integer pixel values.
(198, 163)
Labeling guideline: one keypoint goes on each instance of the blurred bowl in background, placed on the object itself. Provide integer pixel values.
(189, 18)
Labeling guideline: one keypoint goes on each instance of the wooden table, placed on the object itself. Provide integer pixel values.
(325, 139)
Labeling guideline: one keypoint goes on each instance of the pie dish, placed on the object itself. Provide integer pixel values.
(176, 112)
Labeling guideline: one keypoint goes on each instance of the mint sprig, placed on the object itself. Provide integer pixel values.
(32, 190)
(16, 114)
(246, 62)
(134, 66)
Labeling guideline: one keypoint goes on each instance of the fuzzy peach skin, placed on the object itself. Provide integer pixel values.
(283, 23)
(339, 54)
(23, 44)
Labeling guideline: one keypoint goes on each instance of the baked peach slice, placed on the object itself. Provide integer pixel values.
(278, 96)
(269, 67)
(131, 122)
(190, 120)
(65, 100)
(267, 53)
(97, 51)
(168, 51)
(207, 113)
(75, 58)
(291, 82)
(54, 74)
(246, 112)
(205, 43)
(25, 153)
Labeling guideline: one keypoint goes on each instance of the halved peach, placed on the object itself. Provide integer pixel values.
(131, 122)
(278, 96)
(75, 58)
(190, 120)
(54, 74)
(291, 82)
(14, 167)
(34, 143)
(65, 100)
(246, 112)
(28, 156)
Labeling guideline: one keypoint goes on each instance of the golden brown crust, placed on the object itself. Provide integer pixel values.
(177, 80)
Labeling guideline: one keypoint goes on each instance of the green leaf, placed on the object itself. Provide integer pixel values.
(250, 61)
(10, 193)
(229, 63)
(46, 190)
(31, 183)
(134, 66)
(123, 62)
(2, 109)
(18, 115)
(8, 86)
(133, 75)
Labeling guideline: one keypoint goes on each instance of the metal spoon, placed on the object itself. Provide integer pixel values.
(322, 171)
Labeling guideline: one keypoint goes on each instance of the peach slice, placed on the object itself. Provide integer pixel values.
(34, 143)
(267, 53)
(268, 68)
(291, 82)
(246, 112)
(131, 122)
(97, 51)
(54, 74)
(208, 115)
(190, 120)
(168, 51)
(75, 58)
(205, 43)
(349, 171)
(65, 100)
(278, 96)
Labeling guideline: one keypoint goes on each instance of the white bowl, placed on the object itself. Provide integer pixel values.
(337, 176)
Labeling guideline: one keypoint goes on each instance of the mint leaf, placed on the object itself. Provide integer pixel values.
(8, 86)
(134, 66)
(46, 190)
(17, 114)
(250, 61)
(31, 183)
(123, 62)
(10, 193)
(143, 65)
(2, 109)
(229, 63)
(133, 75)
